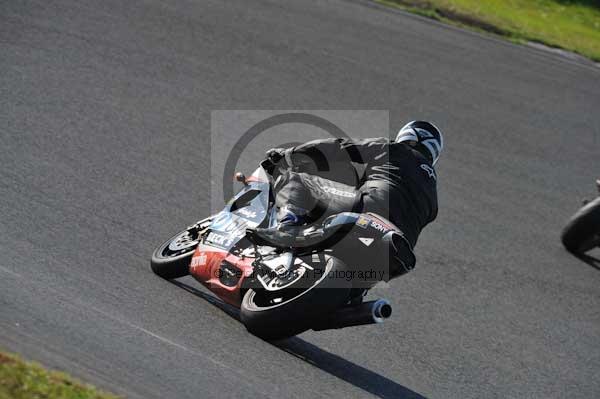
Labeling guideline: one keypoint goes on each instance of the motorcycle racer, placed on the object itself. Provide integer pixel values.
(397, 179)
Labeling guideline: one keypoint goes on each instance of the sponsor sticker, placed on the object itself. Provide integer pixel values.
(247, 212)
(199, 260)
(219, 239)
(366, 241)
(363, 222)
(340, 193)
(429, 170)
(379, 226)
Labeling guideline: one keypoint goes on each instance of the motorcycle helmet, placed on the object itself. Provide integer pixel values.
(424, 136)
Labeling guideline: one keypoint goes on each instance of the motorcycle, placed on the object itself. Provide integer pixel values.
(582, 232)
(314, 279)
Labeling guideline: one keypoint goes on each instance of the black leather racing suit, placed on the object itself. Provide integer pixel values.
(398, 182)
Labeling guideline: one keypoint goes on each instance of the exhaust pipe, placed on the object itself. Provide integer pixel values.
(356, 315)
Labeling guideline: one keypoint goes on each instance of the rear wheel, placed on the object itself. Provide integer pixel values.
(172, 258)
(582, 232)
(283, 313)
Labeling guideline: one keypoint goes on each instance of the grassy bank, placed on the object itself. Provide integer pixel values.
(26, 380)
(568, 24)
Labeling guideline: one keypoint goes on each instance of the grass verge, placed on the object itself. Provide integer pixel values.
(572, 25)
(27, 380)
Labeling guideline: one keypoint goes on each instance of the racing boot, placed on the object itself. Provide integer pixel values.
(290, 216)
(283, 234)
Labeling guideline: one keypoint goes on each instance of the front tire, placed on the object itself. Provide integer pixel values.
(172, 258)
(266, 317)
(582, 232)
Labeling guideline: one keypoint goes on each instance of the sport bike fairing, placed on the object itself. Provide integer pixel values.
(247, 209)
(212, 263)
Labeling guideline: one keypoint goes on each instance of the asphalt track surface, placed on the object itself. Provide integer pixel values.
(105, 112)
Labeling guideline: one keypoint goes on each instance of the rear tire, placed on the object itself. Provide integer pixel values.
(582, 232)
(296, 315)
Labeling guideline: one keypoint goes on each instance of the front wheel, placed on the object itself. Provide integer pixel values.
(582, 232)
(172, 258)
(290, 311)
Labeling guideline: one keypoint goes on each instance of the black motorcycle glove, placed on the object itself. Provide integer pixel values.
(277, 157)
(275, 154)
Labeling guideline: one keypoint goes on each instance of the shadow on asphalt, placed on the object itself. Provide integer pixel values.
(343, 369)
(232, 311)
(590, 260)
(335, 365)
